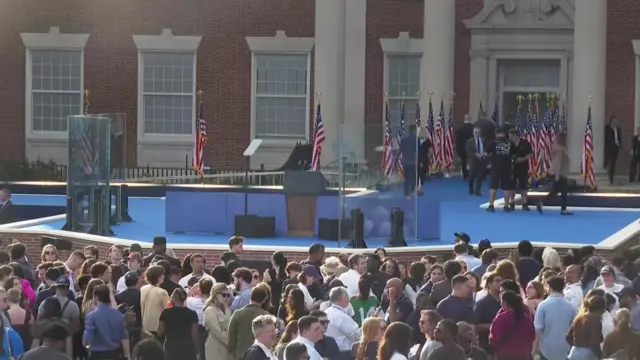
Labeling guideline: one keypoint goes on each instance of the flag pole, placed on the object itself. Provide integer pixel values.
(200, 162)
(587, 164)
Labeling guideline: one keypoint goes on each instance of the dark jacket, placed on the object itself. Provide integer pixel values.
(463, 134)
(255, 352)
(7, 213)
(240, 335)
(147, 260)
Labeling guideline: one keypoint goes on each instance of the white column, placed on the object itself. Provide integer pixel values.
(329, 66)
(439, 51)
(355, 77)
(479, 68)
(589, 79)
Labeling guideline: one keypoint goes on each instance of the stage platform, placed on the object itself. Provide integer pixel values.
(459, 212)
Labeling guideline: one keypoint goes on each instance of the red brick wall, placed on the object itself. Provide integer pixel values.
(385, 19)
(406, 255)
(224, 60)
(623, 25)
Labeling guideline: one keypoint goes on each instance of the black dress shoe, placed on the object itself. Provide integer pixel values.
(525, 207)
(490, 208)
(565, 212)
(539, 206)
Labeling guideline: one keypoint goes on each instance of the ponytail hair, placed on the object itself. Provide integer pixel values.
(514, 301)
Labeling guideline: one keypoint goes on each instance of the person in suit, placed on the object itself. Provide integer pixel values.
(475, 150)
(463, 134)
(264, 331)
(612, 145)
(424, 148)
(634, 172)
(6, 207)
(409, 150)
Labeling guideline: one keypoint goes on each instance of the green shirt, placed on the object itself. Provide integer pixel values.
(363, 309)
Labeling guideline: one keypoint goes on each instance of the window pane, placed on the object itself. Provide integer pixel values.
(403, 75)
(56, 70)
(281, 75)
(168, 114)
(280, 117)
(51, 110)
(531, 73)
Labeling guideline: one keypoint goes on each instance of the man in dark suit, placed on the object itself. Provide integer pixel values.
(264, 331)
(612, 145)
(475, 149)
(6, 207)
(463, 134)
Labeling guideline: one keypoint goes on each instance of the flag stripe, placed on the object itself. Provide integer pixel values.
(318, 140)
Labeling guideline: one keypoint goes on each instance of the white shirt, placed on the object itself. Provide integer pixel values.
(121, 285)
(184, 282)
(308, 300)
(607, 324)
(197, 305)
(472, 262)
(573, 294)
(327, 304)
(398, 356)
(342, 327)
(350, 280)
(311, 348)
(266, 350)
(71, 280)
(614, 290)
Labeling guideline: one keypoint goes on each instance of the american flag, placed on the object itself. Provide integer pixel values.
(318, 140)
(548, 134)
(87, 145)
(398, 161)
(526, 131)
(535, 137)
(495, 117)
(418, 116)
(431, 127)
(586, 167)
(449, 158)
(387, 152)
(201, 141)
(562, 120)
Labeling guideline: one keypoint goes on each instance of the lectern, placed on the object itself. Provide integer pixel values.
(301, 189)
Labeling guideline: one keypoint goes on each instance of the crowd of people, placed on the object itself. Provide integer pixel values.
(535, 304)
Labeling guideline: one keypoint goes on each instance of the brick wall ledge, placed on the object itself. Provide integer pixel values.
(622, 240)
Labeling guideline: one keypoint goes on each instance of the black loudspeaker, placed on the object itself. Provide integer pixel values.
(397, 228)
(124, 203)
(60, 244)
(328, 229)
(254, 226)
(68, 225)
(357, 230)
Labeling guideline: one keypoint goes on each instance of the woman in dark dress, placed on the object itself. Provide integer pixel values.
(179, 326)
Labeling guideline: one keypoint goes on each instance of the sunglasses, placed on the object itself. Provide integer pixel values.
(225, 295)
(49, 253)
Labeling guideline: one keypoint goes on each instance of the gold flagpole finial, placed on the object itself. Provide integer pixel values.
(430, 94)
(87, 94)
(418, 94)
(441, 94)
(386, 96)
(453, 96)
(589, 100)
(403, 95)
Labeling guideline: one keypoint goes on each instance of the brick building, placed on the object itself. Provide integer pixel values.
(259, 64)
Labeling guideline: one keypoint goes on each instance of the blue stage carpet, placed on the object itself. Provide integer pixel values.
(460, 212)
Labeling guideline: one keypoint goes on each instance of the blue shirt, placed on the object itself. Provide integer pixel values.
(552, 321)
(105, 329)
(12, 338)
(243, 299)
(409, 149)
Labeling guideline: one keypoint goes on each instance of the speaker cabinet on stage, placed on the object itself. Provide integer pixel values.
(253, 226)
(328, 229)
(301, 189)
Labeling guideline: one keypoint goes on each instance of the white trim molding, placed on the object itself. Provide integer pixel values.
(49, 145)
(280, 43)
(273, 150)
(403, 44)
(160, 149)
(636, 96)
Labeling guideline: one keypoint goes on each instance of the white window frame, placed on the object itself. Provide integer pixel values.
(636, 97)
(279, 44)
(54, 40)
(166, 42)
(403, 45)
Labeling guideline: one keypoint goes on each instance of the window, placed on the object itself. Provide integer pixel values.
(281, 95)
(56, 88)
(403, 81)
(168, 93)
(541, 73)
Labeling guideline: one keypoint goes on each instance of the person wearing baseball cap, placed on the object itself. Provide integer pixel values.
(500, 152)
(608, 274)
(70, 310)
